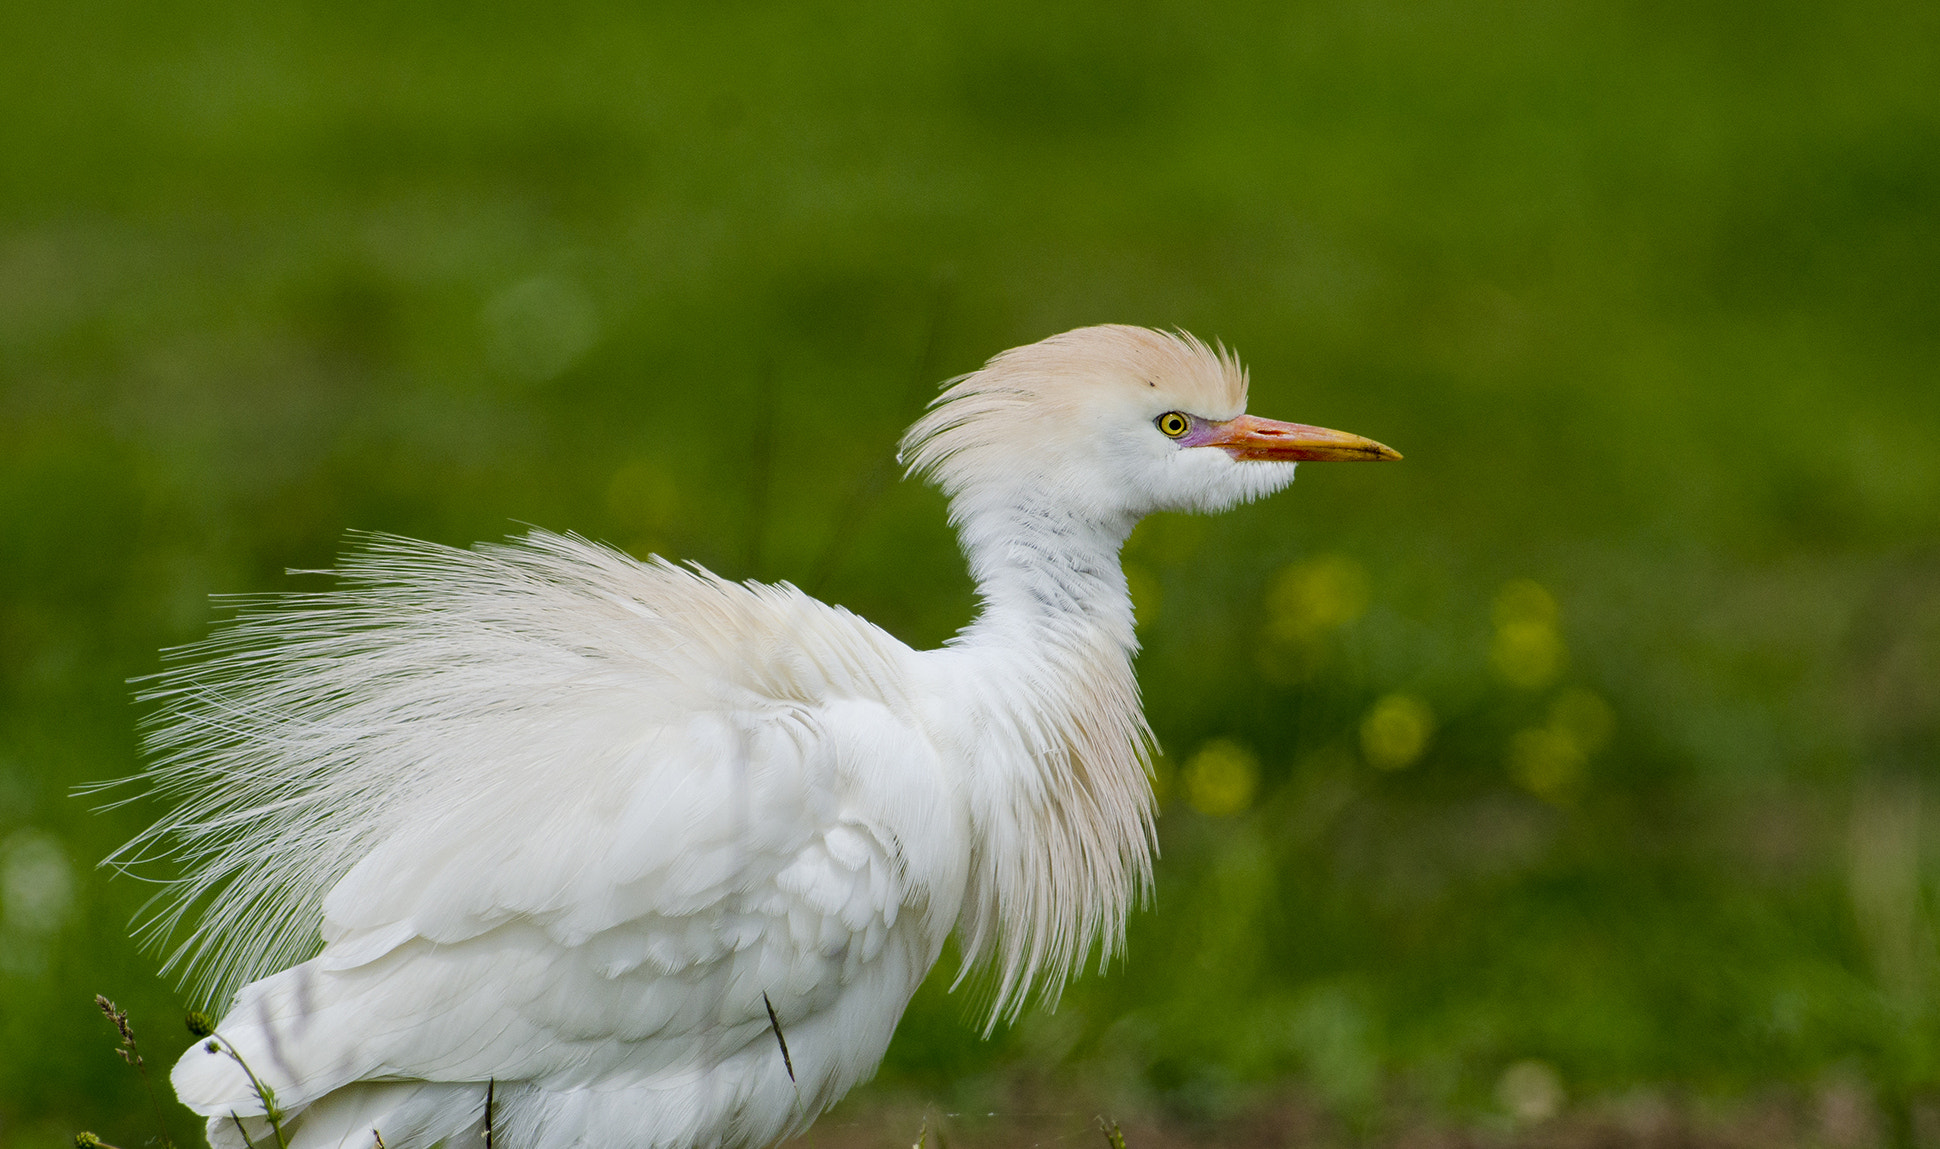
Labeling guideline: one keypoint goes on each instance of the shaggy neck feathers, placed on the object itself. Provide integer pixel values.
(1059, 795)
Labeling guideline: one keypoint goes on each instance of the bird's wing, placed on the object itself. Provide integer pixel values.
(632, 918)
(545, 734)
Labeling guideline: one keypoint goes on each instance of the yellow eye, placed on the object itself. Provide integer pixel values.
(1173, 424)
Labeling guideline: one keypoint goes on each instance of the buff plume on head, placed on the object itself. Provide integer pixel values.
(1020, 412)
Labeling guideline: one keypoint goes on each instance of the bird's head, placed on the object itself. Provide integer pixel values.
(1113, 422)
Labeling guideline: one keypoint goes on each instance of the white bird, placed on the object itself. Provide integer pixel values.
(656, 860)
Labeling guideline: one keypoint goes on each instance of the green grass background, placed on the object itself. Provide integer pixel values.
(1646, 292)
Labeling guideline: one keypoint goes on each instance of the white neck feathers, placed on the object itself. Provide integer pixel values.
(1058, 787)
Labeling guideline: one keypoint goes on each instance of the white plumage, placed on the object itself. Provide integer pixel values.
(603, 835)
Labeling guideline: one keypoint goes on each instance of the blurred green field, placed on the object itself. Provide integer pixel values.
(1581, 761)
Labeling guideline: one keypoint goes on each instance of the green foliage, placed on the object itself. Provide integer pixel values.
(1587, 748)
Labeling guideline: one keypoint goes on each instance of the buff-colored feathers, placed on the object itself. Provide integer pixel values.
(994, 423)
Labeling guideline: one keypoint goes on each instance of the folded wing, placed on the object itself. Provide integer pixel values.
(562, 816)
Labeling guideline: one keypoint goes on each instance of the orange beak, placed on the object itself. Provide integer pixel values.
(1251, 438)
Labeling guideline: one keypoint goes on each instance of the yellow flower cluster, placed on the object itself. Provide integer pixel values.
(1221, 778)
(1310, 599)
(1528, 650)
(1396, 731)
(1549, 760)
(1307, 603)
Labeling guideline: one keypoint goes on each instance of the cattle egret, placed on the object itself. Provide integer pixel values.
(652, 859)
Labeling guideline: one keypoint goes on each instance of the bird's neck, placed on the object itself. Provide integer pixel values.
(1058, 789)
(1050, 582)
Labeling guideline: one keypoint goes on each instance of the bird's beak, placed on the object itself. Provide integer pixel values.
(1252, 438)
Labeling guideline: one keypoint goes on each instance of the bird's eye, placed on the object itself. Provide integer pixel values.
(1172, 424)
